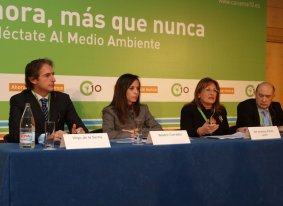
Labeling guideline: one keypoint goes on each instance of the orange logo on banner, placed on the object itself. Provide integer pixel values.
(18, 87)
(227, 90)
(59, 87)
(149, 89)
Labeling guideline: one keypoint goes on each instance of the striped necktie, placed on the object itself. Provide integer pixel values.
(265, 118)
(44, 108)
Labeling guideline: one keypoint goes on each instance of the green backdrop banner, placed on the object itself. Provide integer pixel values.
(223, 39)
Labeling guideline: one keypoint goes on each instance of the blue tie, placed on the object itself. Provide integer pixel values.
(265, 118)
(44, 108)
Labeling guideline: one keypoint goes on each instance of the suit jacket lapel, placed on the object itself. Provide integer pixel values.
(272, 113)
(256, 114)
(54, 116)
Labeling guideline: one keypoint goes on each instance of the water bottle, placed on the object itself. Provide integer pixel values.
(27, 129)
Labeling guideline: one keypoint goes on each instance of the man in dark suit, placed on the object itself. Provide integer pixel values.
(261, 111)
(40, 81)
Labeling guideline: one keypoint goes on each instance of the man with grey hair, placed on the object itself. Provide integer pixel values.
(260, 111)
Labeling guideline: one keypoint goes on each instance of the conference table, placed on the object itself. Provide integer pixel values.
(205, 172)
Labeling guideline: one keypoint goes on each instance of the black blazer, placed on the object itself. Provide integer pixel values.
(248, 116)
(191, 120)
(61, 111)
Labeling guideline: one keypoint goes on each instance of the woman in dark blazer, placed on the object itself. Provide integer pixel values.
(205, 116)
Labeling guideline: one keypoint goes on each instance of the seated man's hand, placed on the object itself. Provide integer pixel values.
(58, 135)
(242, 129)
(280, 128)
(245, 131)
(76, 130)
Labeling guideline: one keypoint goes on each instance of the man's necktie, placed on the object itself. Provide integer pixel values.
(265, 118)
(44, 108)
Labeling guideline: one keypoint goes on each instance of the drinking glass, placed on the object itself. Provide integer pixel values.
(138, 132)
(49, 135)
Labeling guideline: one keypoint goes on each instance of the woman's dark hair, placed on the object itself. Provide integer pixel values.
(32, 70)
(202, 84)
(120, 101)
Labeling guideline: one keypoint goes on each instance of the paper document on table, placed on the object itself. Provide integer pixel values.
(237, 135)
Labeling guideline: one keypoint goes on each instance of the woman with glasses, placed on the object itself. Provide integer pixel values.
(205, 116)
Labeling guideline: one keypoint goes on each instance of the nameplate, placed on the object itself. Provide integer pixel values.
(168, 137)
(86, 141)
(258, 133)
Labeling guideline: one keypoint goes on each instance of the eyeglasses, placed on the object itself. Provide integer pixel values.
(210, 91)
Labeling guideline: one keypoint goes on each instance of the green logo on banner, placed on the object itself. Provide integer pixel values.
(86, 88)
(250, 90)
(176, 89)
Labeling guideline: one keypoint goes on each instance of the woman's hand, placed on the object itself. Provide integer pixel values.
(131, 131)
(207, 128)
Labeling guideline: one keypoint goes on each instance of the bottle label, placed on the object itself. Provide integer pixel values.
(26, 137)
